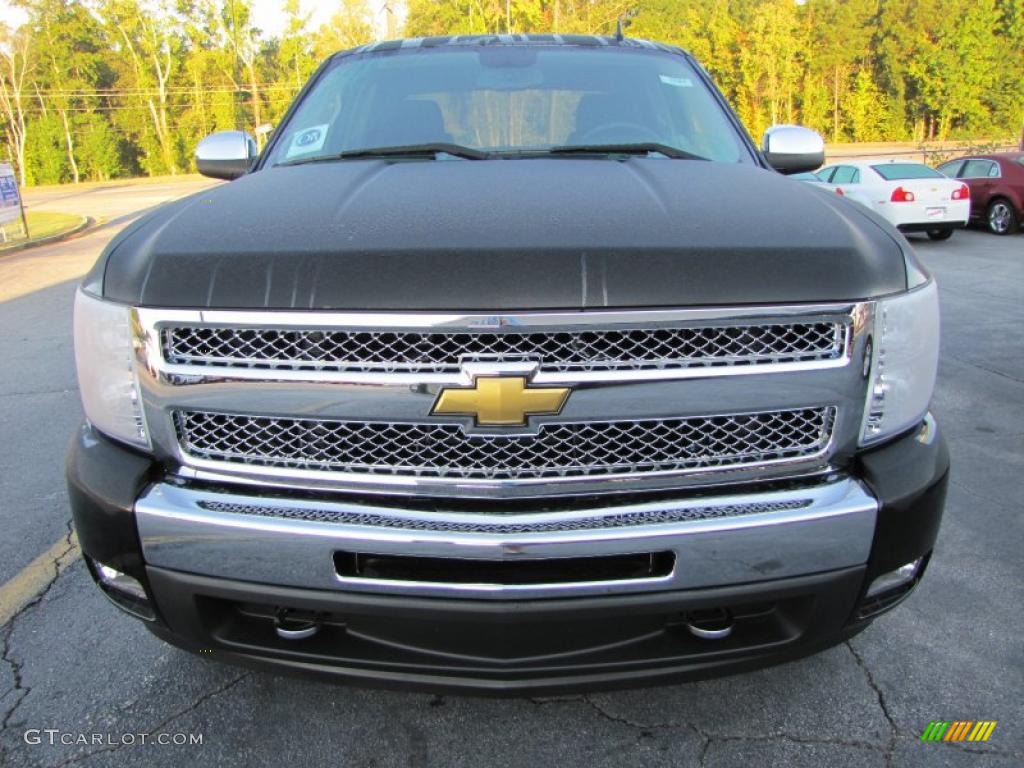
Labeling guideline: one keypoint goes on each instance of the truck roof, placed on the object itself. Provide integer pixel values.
(594, 41)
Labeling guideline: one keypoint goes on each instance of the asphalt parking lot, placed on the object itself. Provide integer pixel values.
(955, 651)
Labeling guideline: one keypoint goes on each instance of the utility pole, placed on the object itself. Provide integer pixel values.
(238, 69)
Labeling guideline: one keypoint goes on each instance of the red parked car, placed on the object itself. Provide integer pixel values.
(997, 188)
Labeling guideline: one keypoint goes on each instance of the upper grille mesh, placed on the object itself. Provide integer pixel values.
(573, 449)
(444, 351)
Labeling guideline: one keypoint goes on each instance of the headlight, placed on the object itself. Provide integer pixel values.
(903, 362)
(104, 356)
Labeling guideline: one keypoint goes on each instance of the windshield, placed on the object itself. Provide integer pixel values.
(511, 101)
(897, 171)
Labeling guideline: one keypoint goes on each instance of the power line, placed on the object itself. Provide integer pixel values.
(101, 92)
(35, 109)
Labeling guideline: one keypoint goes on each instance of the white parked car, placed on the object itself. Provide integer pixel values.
(914, 197)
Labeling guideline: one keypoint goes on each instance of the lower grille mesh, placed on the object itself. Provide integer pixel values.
(595, 522)
(574, 449)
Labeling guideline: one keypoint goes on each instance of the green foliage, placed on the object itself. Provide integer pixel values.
(95, 89)
(100, 151)
(865, 108)
(349, 27)
(855, 70)
(45, 163)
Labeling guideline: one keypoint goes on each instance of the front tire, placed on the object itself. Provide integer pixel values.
(1001, 218)
(940, 234)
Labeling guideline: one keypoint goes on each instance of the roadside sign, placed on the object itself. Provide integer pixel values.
(10, 204)
(10, 200)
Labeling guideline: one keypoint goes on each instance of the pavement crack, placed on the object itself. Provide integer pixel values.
(545, 701)
(985, 368)
(605, 714)
(704, 753)
(890, 746)
(60, 562)
(708, 738)
(34, 392)
(647, 728)
(980, 496)
(159, 727)
(986, 751)
(20, 690)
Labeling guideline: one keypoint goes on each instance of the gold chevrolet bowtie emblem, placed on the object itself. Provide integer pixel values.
(501, 401)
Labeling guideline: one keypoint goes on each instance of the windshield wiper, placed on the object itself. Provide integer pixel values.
(408, 150)
(639, 148)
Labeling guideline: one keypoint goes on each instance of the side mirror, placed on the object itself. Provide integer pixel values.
(793, 149)
(225, 154)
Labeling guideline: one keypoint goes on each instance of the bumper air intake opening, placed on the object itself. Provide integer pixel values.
(446, 570)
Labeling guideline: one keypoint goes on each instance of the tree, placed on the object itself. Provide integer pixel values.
(958, 66)
(152, 43)
(243, 39)
(71, 67)
(349, 27)
(15, 70)
(770, 66)
(295, 53)
(100, 88)
(865, 108)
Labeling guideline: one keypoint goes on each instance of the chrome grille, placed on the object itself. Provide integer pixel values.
(593, 522)
(561, 351)
(572, 449)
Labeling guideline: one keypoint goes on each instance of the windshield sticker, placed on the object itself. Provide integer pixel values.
(678, 82)
(308, 140)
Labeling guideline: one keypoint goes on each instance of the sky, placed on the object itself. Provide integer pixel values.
(269, 15)
(10, 16)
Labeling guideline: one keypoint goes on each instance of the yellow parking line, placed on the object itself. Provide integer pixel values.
(33, 578)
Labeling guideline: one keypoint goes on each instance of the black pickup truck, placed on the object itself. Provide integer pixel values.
(509, 364)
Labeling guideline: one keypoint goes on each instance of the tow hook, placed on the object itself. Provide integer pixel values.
(714, 624)
(293, 627)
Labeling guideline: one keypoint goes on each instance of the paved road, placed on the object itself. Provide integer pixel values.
(953, 651)
(107, 201)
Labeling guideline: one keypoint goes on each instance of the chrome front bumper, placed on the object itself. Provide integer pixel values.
(716, 540)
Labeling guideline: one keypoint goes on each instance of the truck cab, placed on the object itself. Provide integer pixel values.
(510, 364)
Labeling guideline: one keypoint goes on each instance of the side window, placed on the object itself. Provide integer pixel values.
(950, 169)
(979, 169)
(845, 174)
(994, 171)
(825, 174)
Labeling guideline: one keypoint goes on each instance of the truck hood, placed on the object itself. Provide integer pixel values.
(543, 233)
